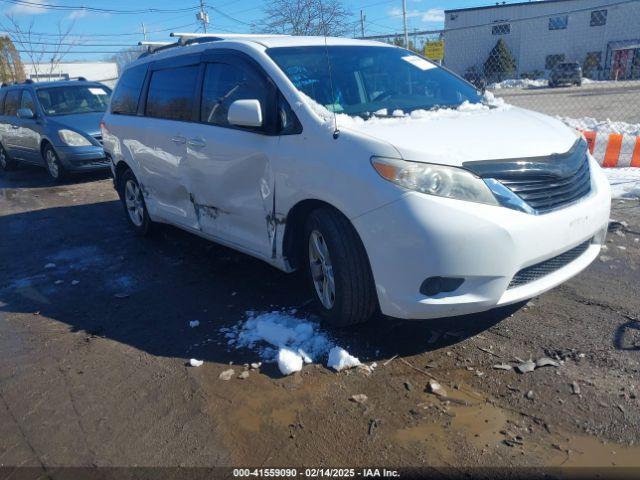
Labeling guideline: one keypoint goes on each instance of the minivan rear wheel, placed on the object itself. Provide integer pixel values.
(134, 205)
(338, 269)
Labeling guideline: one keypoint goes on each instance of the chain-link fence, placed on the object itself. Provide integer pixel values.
(578, 60)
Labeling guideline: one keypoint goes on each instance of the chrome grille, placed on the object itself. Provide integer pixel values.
(542, 269)
(542, 183)
(548, 192)
(98, 138)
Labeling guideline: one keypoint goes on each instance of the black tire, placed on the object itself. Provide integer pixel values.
(139, 220)
(354, 299)
(52, 163)
(6, 162)
(579, 83)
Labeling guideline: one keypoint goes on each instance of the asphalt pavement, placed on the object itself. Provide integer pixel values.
(95, 343)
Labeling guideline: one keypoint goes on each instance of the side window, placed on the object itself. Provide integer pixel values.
(27, 101)
(288, 123)
(224, 84)
(171, 93)
(125, 98)
(3, 94)
(11, 103)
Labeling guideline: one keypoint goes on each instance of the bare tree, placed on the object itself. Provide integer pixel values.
(11, 68)
(126, 56)
(306, 17)
(44, 52)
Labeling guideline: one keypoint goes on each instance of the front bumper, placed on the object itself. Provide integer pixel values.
(421, 236)
(82, 158)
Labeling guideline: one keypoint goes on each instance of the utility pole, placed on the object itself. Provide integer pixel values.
(203, 16)
(404, 21)
(144, 32)
(362, 18)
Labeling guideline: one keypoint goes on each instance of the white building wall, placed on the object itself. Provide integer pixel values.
(105, 72)
(469, 39)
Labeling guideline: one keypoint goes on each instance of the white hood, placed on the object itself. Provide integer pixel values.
(453, 137)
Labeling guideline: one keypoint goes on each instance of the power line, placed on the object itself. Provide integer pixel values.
(113, 11)
(47, 34)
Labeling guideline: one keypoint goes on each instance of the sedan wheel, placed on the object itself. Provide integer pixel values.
(321, 269)
(133, 201)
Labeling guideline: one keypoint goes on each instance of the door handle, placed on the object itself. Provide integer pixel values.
(15, 127)
(197, 143)
(179, 139)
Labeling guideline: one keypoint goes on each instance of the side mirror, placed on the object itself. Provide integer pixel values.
(245, 113)
(25, 113)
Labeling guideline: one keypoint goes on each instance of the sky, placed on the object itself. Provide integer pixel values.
(103, 29)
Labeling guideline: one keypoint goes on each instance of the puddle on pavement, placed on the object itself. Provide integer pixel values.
(467, 414)
(591, 452)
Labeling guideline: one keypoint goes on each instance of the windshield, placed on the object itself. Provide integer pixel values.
(371, 80)
(73, 99)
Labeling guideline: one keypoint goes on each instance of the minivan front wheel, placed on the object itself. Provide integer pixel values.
(6, 163)
(338, 269)
(52, 162)
(134, 205)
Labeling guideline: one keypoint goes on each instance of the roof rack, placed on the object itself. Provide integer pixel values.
(185, 38)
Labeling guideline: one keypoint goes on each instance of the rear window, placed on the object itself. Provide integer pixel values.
(12, 102)
(125, 98)
(171, 93)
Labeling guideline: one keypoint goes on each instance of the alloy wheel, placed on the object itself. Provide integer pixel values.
(321, 269)
(52, 164)
(134, 202)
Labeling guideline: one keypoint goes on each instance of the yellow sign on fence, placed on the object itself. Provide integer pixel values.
(434, 50)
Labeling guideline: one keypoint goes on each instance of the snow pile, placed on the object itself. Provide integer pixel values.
(625, 182)
(519, 83)
(605, 127)
(491, 103)
(339, 359)
(281, 337)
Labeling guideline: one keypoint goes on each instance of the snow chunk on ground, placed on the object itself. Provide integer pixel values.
(289, 361)
(289, 341)
(625, 182)
(339, 359)
(195, 363)
(270, 331)
(604, 127)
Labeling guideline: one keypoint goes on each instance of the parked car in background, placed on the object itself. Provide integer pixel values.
(566, 73)
(54, 124)
(390, 181)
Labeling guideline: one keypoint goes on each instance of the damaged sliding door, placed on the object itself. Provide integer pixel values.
(229, 168)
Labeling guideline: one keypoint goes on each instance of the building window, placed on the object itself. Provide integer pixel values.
(598, 18)
(558, 23)
(502, 29)
(552, 60)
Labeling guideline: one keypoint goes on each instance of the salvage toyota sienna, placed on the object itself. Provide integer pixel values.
(393, 183)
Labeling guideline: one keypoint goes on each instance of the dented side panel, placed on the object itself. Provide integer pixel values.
(229, 176)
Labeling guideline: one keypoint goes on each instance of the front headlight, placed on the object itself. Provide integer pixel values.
(73, 139)
(439, 180)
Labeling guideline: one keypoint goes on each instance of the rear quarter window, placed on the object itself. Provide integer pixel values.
(171, 93)
(125, 98)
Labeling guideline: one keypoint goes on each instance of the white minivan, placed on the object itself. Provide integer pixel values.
(396, 185)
